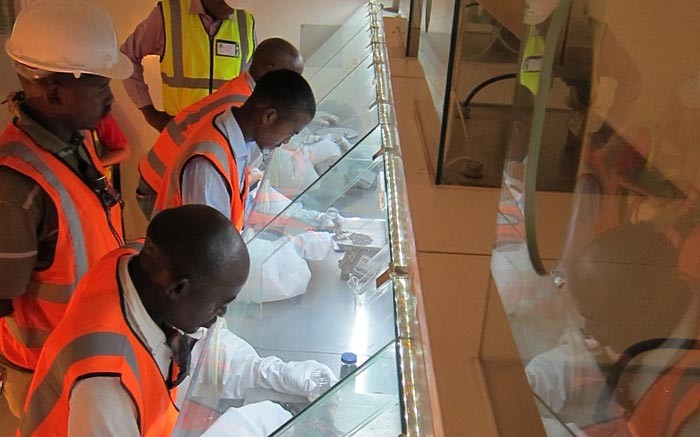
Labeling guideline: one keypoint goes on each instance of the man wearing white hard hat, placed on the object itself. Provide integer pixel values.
(59, 215)
(201, 44)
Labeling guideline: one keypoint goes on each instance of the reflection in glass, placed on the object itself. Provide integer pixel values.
(609, 337)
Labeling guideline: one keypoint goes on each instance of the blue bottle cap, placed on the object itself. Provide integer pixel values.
(348, 358)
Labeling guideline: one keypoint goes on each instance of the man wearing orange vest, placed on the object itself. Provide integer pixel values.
(271, 54)
(116, 372)
(59, 215)
(212, 165)
(635, 373)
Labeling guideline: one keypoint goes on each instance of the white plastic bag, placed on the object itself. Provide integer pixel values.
(313, 246)
(323, 153)
(255, 420)
(277, 271)
(290, 172)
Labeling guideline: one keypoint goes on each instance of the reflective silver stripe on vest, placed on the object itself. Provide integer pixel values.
(242, 20)
(19, 150)
(187, 82)
(176, 130)
(216, 150)
(50, 292)
(50, 389)
(197, 148)
(154, 161)
(31, 338)
(176, 42)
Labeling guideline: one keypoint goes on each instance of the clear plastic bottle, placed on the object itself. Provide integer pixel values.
(323, 383)
(348, 363)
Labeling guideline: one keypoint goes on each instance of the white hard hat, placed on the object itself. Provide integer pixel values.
(67, 36)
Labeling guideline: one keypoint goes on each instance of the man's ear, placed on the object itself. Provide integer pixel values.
(269, 116)
(178, 289)
(54, 93)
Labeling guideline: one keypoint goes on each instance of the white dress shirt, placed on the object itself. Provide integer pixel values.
(201, 181)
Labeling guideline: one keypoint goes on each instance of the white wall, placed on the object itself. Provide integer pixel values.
(283, 18)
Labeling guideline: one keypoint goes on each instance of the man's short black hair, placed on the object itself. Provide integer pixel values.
(287, 91)
(197, 241)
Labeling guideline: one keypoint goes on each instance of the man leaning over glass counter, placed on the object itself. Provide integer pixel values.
(118, 370)
(627, 288)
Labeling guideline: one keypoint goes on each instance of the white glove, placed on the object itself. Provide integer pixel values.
(325, 119)
(255, 420)
(312, 139)
(343, 143)
(301, 374)
(330, 220)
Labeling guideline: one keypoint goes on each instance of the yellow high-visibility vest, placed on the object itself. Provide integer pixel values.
(195, 64)
(531, 63)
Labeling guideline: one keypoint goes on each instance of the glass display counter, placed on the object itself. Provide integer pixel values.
(607, 327)
(342, 75)
(332, 261)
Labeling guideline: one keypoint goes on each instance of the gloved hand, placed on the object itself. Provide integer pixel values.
(313, 139)
(330, 220)
(255, 176)
(342, 142)
(306, 376)
(325, 119)
(254, 420)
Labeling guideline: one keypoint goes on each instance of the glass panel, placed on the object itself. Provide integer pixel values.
(336, 43)
(283, 182)
(295, 166)
(434, 48)
(606, 326)
(435, 44)
(479, 104)
(352, 103)
(479, 101)
(340, 65)
(364, 404)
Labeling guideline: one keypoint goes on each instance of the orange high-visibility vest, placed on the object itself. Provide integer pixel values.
(86, 232)
(672, 399)
(663, 410)
(89, 342)
(233, 93)
(210, 143)
(510, 224)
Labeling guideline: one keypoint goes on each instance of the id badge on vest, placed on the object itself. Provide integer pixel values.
(228, 49)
